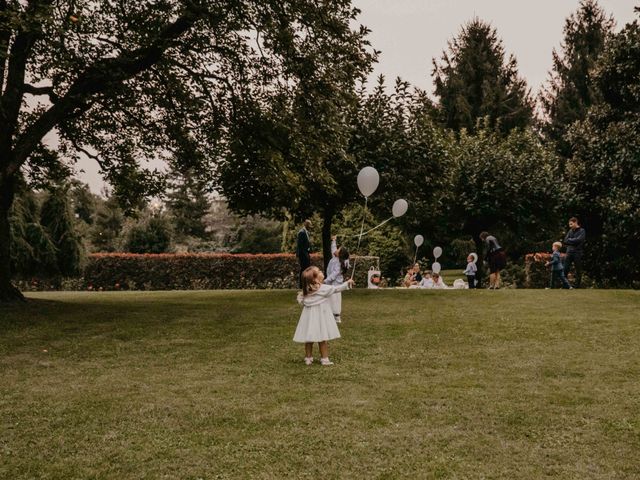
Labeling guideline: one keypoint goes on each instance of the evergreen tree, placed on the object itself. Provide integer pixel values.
(57, 218)
(474, 81)
(571, 89)
(605, 165)
(107, 227)
(188, 203)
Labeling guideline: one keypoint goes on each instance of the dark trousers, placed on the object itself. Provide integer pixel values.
(559, 275)
(305, 262)
(575, 259)
(471, 279)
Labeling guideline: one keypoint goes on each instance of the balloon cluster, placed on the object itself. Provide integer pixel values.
(368, 181)
(418, 240)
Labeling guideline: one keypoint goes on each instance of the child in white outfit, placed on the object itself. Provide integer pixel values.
(337, 268)
(317, 323)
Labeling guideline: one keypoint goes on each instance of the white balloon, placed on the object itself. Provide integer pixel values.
(399, 208)
(475, 257)
(418, 240)
(435, 267)
(368, 180)
(437, 252)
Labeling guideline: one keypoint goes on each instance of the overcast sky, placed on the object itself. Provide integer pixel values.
(410, 33)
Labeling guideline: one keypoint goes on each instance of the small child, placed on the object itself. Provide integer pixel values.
(427, 281)
(557, 269)
(470, 271)
(317, 323)
(438, 282)
(336, 270)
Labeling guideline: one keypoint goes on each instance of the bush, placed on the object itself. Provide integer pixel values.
(201, 271)
(152, 235)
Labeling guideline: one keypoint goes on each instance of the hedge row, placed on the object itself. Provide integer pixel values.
(201, 271)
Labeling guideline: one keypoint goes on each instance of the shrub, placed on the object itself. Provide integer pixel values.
(201, 271)
(152, 235)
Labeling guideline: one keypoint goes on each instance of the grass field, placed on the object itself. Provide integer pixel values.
(427, 384)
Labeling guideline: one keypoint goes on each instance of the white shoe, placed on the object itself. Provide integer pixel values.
(326, 362)
(337, 317)
(308, 360)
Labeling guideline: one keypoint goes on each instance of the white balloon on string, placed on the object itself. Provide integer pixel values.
(475, 257)
(399, 207)
(368, 180)
(418, 240)
(437, 252)
(435, 267)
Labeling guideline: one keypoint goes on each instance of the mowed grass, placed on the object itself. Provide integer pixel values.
(427, 384)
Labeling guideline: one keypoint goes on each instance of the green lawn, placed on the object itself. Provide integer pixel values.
(427, 384)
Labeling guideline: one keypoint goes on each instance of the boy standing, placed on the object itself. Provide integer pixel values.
(557, 269)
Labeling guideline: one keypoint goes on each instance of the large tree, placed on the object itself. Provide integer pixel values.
(474, 79)
(125, 82)
(571, 89)
(604, 170)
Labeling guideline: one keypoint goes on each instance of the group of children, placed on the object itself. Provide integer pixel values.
(415, 279)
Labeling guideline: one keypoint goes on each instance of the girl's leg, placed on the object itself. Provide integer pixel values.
(324, 349)
(497, 284)
(308, 349)
(492, 280)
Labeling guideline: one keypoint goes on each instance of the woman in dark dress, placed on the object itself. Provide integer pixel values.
(496, 258)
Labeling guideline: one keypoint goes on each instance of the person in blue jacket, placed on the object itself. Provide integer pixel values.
(557, 269)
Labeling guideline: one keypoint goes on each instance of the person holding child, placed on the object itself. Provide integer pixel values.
(337, 269)
(557, 268)
(317, 323)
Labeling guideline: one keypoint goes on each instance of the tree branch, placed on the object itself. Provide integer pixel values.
(41, 91)
(104, 74)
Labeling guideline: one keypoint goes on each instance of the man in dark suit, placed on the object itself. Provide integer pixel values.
(303, 249)
(574, 241)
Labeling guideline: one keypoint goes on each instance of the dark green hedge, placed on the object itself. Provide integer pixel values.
(201, 271)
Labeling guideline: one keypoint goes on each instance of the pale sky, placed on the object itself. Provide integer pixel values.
(412, 32)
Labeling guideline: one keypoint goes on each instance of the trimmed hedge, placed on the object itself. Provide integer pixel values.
(201, 271)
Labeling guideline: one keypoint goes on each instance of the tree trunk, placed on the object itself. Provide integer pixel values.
(8, 293)
(327, 219)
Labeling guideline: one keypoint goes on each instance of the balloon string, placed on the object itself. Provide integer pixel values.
(415, 257)
(368, 231)
(355, 259)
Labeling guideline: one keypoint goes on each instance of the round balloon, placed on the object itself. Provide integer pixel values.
(399, 208)
(437, 252)
(475, 257)
(418, 240)
(368, 180)
(435, 267)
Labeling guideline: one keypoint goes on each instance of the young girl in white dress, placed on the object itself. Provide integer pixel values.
(336, 270)
(317, 323)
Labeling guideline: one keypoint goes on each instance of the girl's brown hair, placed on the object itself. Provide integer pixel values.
(310, 283)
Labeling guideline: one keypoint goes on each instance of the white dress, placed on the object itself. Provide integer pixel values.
(317, 322)
(334, 278)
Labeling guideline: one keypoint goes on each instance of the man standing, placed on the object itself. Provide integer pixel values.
(574, 240)
(303, 249)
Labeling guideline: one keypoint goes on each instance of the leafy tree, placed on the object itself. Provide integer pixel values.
(57, 219)
(256, 235)
(571, 89)
(473, 81)
(605, 166)
(292, 158)
(131, 81)
(83, 202)
(149, 235)
(188, 204)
